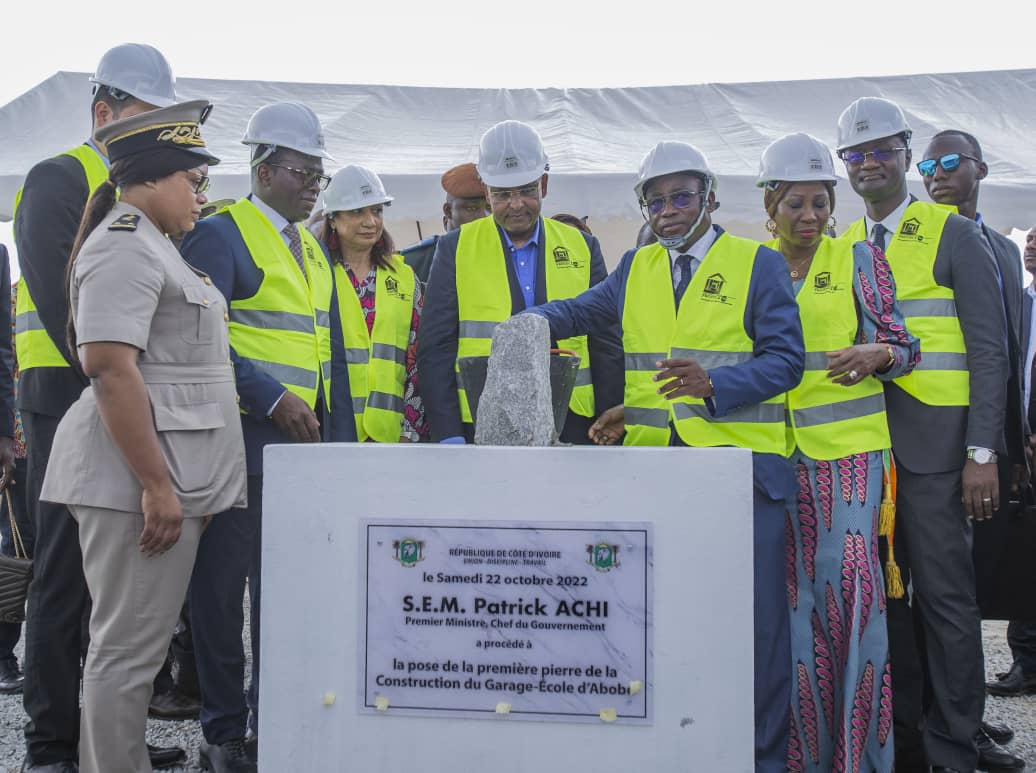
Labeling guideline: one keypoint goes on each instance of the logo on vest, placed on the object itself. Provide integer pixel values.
(822, 283)
(408, 551)
(713, 292)
(911, 230)
(563, 260)
(311, 256)
(603, 557)
(392, 288)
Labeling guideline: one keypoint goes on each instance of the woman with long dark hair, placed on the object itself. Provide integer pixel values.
(153, 446)
(380, 307)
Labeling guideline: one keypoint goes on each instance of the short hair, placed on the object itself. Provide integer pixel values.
(116, 105)
(968, 138)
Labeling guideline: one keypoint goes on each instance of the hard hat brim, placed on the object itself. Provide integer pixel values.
(797, 179)
(511, 179)
(387, 201)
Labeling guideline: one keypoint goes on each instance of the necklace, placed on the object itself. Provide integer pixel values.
(797, 268)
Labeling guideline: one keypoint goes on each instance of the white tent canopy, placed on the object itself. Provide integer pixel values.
(595, 137)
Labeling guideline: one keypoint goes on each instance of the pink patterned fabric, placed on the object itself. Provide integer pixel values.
(414, 425)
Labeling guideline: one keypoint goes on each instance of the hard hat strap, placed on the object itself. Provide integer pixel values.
(262, 156)
(680, 242)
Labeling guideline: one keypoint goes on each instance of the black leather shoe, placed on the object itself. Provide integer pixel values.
(994, 757)
(252, 745)
(10, 676)
(173, 704)
(229, 757)
(1014, 682)
(166, 757)
(999, 732)
(940, 769)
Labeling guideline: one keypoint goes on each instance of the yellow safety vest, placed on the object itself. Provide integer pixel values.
(484, 295)
(708, 327)
(285, 328)
(35, 348)
(827, 420)
(377, 361)
(941, 378)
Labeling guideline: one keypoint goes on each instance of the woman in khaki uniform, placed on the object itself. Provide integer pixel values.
(153, 446)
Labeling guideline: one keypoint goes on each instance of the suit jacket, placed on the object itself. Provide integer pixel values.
(6, 348)
(437, 344)
(928, 438)
(1026, 337)
(419, 258)
(53, 199)
(1008, 260)
(771, 320)
(216, 247)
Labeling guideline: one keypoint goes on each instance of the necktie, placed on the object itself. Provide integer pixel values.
(681, 276)
(878, 236)
(295, 244)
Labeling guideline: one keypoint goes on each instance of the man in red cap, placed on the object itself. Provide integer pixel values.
(465, 201)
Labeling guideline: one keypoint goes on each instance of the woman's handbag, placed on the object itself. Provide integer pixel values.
(15, 574)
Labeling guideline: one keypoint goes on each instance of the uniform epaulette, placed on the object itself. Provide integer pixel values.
(125, 223)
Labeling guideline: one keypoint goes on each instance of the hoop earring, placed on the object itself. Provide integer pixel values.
(832, 223)
(771, 227)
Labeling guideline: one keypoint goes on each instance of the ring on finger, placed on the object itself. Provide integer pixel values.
(681, 381)
(853, 375)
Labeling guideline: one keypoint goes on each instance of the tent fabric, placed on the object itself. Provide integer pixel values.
(595, 137)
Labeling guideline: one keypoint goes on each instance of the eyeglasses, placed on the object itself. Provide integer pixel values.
(308, 176)
(856, 158)
(200, 185)
(505, 196)
(679, 200)
(949, 162)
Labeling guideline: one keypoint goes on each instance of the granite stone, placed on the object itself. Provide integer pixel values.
(515, 407)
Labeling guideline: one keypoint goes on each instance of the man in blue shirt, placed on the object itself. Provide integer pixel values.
(513, 167)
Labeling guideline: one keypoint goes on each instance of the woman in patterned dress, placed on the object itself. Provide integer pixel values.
(855, 339)
(382, 286)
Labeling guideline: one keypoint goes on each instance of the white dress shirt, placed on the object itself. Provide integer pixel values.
(697, 251)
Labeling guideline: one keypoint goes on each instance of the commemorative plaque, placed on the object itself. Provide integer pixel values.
(536, 620)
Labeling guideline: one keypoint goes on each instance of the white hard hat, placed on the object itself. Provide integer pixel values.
(669, 157)
(511, 154)
(138, 70)
(868, 119)
(289, 125)
(354, 187)
(796, 158)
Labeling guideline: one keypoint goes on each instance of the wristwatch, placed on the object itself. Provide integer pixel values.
(982, 455)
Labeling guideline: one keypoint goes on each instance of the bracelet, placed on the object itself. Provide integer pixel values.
(892, 356)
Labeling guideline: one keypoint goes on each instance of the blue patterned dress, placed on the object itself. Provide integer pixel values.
(841, 686)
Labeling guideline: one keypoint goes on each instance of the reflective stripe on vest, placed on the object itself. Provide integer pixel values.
(377, 361)
(484, 295)
(709, 327)
(941, 377)
(284, 329)
(827, 420)
(34, 347)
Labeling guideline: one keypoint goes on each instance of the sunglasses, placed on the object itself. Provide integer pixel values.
(949, 162)
(199, 184)
(504, 196)
(679, 200)
(856, 158)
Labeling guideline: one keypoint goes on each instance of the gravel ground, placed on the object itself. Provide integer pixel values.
(1019, 713)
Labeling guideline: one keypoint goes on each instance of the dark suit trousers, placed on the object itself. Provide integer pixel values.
(1021, 636)
(931, 521)
(772, 636)
(11, 632)
(226, 556)
(56, 627)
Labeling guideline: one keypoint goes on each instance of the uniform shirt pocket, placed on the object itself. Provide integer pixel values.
(197, 322)
(188, 435)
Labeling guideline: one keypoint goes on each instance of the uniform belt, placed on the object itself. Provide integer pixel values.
(178, 373)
